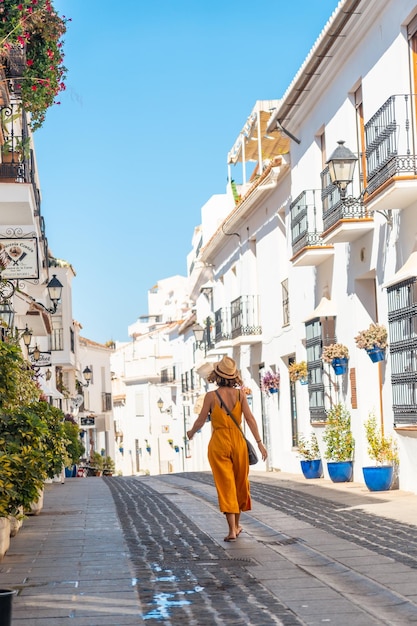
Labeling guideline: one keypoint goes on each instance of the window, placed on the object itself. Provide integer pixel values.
(314, 345)
(402, 319)
(285, 303)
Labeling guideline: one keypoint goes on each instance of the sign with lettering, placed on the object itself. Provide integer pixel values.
(20, 258)
(45, 359)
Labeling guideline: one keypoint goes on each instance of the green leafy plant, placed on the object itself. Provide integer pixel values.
(376, 335)
(308, 448)
(335, 351)
(337, 436)
(97, 462)
(109, 466)
(33, 30)
(297, 371)
(383, 450)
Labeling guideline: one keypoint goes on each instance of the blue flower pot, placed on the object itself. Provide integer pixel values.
(312, 469)
(304, 381)
(273, 390)
(340, 471)
(340, 366)
(378, 478)
(376, 354)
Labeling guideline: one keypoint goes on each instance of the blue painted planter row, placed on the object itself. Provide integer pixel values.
(378, 478)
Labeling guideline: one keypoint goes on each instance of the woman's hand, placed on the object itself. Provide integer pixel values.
(190, 434)
(263, 451)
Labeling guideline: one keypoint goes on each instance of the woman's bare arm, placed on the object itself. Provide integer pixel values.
(201, 419)
(253, 426)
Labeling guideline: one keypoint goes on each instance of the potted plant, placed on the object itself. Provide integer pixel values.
(374, 340)
(270, 382)
(384, 451)
(308, 450)
(96, 463)
(298, 371)
(340, 444)
(31, 52)
(338, 355)
(108, 466)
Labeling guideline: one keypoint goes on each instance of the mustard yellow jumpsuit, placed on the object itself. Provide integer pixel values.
(228, 458)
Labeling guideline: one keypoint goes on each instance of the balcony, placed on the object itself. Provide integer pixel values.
(244, 320)
(306, 230)
(345, 220)
(391, 159)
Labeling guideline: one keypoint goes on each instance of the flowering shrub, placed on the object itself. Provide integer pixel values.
(374, 336)
(246, 390)
(308, 449)
(383, 450)
(297, 371)
(269, 381)
(334, 351)
(33, 29)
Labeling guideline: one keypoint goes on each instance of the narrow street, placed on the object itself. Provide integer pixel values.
(125, 551)
(319, 562)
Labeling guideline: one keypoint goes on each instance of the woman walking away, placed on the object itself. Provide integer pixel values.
(227, 450)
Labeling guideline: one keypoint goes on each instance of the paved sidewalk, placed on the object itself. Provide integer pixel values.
(395, 504)
(70, 563)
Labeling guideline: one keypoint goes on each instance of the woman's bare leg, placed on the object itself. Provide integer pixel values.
(231, 522)
(238, 528)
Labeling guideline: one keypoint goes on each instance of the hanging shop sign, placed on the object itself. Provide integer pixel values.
(19, 258)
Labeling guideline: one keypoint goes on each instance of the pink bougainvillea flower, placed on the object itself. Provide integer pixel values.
(29, 62)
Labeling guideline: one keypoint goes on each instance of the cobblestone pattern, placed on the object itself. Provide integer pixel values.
(382, 535)
(182, 576)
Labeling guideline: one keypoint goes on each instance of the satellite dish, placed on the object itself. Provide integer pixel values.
(78, 400)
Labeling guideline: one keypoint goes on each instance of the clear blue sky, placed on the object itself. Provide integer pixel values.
(157, 93)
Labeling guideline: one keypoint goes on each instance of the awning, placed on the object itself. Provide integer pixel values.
(49, 390)
(274, 143)
(408, 270)
(326, 308)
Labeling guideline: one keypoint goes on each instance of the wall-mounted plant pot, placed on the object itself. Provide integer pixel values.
(340, 471)
(312, 469)
(378, 478)
(340, 366)
(273, 390)
(376, 354)
(303, 381)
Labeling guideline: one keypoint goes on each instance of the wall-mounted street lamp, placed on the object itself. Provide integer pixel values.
(36, 353)
(54, 288)
(341, 167)
(160, 405)
(48, 375)
(199, 336)
(87, 373)
(6, 314)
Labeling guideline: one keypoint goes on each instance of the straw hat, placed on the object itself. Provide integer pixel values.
(226, 368)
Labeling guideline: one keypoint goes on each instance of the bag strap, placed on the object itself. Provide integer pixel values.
(228, 412)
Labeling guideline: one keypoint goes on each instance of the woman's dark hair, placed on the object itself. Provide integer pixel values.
(224, 382)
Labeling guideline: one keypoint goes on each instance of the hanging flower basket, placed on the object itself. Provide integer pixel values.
(374, 340)
(298, 371)
(376, 354)
(270, 382)
(340, 366)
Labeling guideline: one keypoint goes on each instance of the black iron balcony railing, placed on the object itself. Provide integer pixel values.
(17, 161)
(222, 325)
(334, 209)
(306, 222)
(244, 316)
(391, 141)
